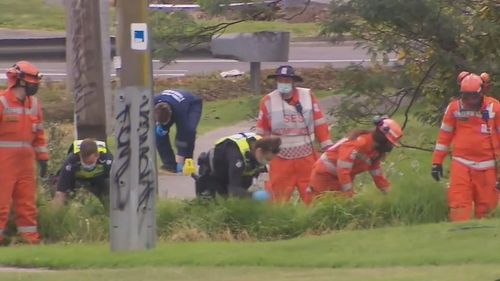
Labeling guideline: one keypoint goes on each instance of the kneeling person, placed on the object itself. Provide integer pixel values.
(88, 165)
(229, 168)
(362, 151)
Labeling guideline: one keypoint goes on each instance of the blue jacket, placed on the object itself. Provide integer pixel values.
(181, 103)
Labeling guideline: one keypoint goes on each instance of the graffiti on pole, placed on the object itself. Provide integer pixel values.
(146, 164)
(81, 59)
(87, 65)
(123, 135)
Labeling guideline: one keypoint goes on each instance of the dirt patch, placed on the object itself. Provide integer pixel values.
(24, 270)
(315, 12)
(58, 105)
(214, 87)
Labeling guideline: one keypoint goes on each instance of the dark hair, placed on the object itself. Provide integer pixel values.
(356, 133)
(162, 112)
(88, 147)
(379, 137)
(268, 144)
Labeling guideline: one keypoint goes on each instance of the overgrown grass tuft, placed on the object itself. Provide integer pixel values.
(415, 198)
(85, 220)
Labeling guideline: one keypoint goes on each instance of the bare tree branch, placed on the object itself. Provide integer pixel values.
(400, 101)
(201, 35)
(416, 147)
(416, 92)
(306, 5)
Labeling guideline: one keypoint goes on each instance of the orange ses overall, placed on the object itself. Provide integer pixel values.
(338, 166)
(474, 136)
(22, 140)
(297, 130)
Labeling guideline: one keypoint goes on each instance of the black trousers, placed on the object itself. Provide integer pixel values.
(98, 186)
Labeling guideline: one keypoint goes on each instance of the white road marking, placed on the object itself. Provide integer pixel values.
(4, 77)
(290, 61)
(182, 72)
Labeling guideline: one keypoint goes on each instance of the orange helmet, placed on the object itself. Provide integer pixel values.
(23, 71)
(472, 83)
(391, 130)
(485, 76)
(461, 76)
(487, 82)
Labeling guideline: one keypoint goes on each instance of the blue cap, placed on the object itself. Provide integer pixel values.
(286, 71)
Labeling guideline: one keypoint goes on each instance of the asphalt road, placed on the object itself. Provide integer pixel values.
(178, 186)
(301, 54)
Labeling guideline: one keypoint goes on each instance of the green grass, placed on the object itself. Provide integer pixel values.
(31, 14)
(222, 113)
(415, 199)
(441, 273)
(424, 245)
(295, 29)
(36, 15)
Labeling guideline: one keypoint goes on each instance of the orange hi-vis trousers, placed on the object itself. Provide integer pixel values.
(471, 189)
(287, 174)
(18, 188)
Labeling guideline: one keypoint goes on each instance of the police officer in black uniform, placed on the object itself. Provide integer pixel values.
(88, 165)
(229, 168)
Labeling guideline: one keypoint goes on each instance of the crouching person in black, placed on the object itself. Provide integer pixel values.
(88, 165)
(230, 167)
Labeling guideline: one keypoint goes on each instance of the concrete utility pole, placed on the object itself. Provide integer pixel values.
(88, 65)
(133, 177)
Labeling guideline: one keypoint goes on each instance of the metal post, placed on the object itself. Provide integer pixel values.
(88, 65)
(255, 77)
(133, 177)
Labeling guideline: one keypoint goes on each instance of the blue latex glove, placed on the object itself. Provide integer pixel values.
(261, 195)
(180, 166)
(160, 131)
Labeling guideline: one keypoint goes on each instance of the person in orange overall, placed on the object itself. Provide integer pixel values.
(362, 151)
(293, 114)
(22, 139)
(471, 125)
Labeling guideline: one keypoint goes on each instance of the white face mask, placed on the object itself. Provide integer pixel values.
(88, 167)
(285, 88)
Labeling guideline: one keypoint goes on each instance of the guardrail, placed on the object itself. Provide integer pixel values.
(50, 48)
(54, 49)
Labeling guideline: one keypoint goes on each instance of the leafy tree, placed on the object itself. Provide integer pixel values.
(178, 31)
(172, 33)
(433, 40)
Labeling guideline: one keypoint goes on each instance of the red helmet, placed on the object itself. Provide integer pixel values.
(391, 130)
(23, 71)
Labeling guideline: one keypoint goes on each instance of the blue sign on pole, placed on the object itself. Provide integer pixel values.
(139, 36)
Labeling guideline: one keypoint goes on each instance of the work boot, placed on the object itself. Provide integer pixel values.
(164, 170)
(4, 242)
(32, 238)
